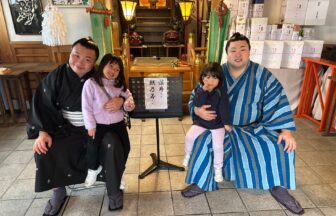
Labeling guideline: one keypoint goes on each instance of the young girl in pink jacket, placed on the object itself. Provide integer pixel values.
(107, 82)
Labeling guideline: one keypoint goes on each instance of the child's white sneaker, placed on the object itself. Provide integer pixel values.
(186, 160)
(218, 175)
(92, 176)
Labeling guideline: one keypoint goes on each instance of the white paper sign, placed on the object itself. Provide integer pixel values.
(156, 93)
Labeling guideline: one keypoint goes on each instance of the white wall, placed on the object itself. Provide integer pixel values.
(76, 19)
(78, 23)
(272, 10)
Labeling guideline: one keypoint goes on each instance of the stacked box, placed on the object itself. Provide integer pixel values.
(258, 8)
(296, 33)
(308, 33)
(292, 52)
(311, 48)
(283, 9)
(271, 32)
(272, 54)
(233, 6)
(287, 31)
(256, 52)
(316, 12)
(258, 28)
(295, 11)
(243, 8)
(241, 25)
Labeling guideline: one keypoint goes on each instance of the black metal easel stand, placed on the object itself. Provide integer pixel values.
(157, 163)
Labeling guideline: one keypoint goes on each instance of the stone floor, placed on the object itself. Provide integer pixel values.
(159, 193)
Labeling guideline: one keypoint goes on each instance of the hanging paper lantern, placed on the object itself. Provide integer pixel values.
(53, 27)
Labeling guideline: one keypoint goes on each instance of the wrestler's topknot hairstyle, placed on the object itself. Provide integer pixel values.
(237, 37)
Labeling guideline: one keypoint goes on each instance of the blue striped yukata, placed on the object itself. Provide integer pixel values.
(252, 158)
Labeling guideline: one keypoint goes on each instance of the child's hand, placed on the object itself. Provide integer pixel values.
(228, 128)
(92, 132)
(204, 87)
(129, 104)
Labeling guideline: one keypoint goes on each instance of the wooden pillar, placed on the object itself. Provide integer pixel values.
(214, 3)
(191, 49)
(6, 54)
(126, 55)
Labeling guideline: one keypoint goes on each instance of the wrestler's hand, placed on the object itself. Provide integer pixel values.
(114, 104)
(228, 128)
(205, 114)
(41, 143)
(92, 132)
(290, 142)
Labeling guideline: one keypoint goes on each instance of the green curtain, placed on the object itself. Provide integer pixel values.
(217, 36)
(101, 34)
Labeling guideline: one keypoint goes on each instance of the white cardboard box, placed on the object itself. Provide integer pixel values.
(283, 9)
(258, 36)
(272, 54)
(243, 8)
(287, 31)
(232, 4)
(258, 28)
(271, 32)
(312, 48)
(295, 12)
(292, 52)
(316, 12)
(259, 24)
(258, 10)
(256, 52)
(241, 25)
(293, 47)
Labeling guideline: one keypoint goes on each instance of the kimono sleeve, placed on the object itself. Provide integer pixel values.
(191, 104)
(44, 113)
(224, 108)
(277, 113)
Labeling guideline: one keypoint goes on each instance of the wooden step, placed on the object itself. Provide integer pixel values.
(149, 12)
(140, 20)
(160, 29)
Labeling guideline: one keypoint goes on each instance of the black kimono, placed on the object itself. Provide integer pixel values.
(65, 162)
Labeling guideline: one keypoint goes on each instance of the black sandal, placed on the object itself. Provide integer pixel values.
(281, 195)
(192, 191)
(116, 201)
(50, 209)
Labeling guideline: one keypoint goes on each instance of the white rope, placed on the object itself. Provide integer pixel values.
(53, 27)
